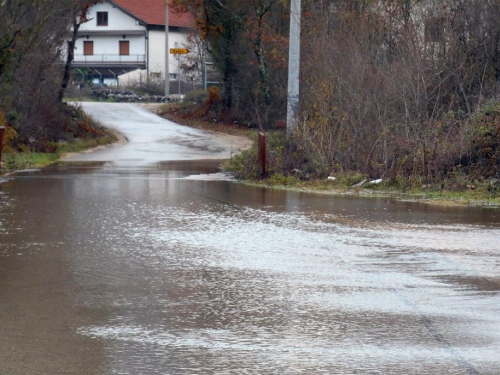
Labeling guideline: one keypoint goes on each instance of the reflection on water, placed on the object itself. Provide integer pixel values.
(185, 276)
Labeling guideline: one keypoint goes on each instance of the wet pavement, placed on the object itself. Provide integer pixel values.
(156, 268)
(152, 138)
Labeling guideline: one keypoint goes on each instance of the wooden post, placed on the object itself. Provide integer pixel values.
(2, 133)
(262, 152)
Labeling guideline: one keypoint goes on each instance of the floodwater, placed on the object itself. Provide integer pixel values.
(160, 269)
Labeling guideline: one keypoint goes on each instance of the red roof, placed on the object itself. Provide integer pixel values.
(152, 12)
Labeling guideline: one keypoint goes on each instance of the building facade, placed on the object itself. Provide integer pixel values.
(124, 41)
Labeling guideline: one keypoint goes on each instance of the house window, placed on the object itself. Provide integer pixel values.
(173, 76)
(102, 18)
(88, 48)
(124, 48)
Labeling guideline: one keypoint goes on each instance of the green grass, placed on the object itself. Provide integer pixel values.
(484, 193)
(84, 144)
(27, 160)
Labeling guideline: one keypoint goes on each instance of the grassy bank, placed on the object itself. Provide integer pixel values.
(73, 132)
(25, 159)
(480, 196)
(457, 190)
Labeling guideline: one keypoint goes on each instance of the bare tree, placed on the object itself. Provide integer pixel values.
(81, 13)
(33, 35)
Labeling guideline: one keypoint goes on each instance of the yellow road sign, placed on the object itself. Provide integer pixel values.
(179, 51)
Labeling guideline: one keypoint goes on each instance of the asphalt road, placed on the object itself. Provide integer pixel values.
(152, 139)
(155, 267)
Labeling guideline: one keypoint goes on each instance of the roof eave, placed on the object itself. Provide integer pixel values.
(143, 22)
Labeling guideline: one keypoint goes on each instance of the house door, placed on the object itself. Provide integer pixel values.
(88, 48)
(124, 48)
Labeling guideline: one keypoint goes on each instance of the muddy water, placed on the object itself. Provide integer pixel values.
(114, 270)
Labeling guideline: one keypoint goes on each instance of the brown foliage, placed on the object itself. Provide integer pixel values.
(246, 40)
(392, 88)
(33, 35)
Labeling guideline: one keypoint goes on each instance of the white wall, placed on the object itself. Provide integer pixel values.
(110, 44)
(117, 20)
(118, 23)
(157, 50)
(157, 56)
(132, 78)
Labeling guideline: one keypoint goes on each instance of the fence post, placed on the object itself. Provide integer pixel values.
(262, 152)
(2, 133)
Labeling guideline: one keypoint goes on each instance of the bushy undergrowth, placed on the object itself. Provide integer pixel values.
(244, 165)
(23, 160)
(204, 106)
(484, 143)
(474, 158)
(196, 97)
(397, 90)
(68, 123)
(455, 146)
(75, 132)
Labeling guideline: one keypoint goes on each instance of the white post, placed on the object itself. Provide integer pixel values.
(167, 51)
(294, 67)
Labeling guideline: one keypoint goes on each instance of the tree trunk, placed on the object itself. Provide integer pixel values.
(69, 60)
(228, 87)
(264, 72)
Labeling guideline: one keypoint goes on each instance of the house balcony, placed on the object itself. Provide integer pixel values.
(110, 61)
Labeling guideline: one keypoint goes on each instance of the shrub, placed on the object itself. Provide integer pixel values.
(245, 165)
(196, 97)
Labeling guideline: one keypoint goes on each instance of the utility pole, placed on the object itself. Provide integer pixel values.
(167, 51)
(294, 67)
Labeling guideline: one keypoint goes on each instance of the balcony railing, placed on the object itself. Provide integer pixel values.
(110, 59)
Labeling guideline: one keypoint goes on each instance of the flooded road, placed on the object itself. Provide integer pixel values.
(152, 138)
(155, 269)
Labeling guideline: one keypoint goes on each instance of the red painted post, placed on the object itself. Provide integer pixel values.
(262, 152)
(2, 132)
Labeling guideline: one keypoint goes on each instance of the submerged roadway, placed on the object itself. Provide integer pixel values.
(142, 259)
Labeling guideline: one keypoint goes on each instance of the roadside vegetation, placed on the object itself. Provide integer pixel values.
(81, 133)
(200, 109)
(33, 79)
(406, 92)
(458, 188)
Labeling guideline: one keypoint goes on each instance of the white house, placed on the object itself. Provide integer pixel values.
(124, 41)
